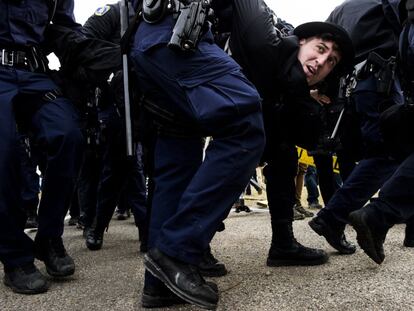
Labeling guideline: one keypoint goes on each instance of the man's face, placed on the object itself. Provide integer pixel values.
(318, 58)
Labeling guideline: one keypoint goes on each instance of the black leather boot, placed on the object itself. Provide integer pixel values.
(370, 235)
(182, 279)
(53, 253)
(286, 251)
(333, 231)
(25, 279)
(210, 266)
(409, 233)
(94, 239)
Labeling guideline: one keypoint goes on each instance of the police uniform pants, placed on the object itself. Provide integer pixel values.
(395, 202)
(371, 172)
(192, 197)
(55, 131)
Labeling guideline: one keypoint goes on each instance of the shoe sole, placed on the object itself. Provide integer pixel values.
(213, 274)
(15, 289)
(156, 271)
(321, 232)
(286, 262)
(151, 302)
(58, 274)
(364, 237)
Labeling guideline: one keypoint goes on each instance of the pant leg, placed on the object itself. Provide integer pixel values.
(136, 190)
(208, 90)
(56, 131)
(87, 185)
(395, 202)
(367, 177)
(311, 183)
(327, 183)
(16, 248)
(280, 174)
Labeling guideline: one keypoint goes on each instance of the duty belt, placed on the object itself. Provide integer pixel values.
(29, 59)
(12, 58)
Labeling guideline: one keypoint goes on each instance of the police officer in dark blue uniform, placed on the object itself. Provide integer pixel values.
(374, 27)
(395, 202)
(206, 91)
(117, 172)
(26, 91)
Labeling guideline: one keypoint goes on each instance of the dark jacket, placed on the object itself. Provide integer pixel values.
(270, 62)
(373, 25)
(106, 26)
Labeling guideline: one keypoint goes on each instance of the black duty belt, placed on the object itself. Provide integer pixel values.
(30, 59)
(11, 58)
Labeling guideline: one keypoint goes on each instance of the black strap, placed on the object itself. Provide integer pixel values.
(132, 28)
(52, 4)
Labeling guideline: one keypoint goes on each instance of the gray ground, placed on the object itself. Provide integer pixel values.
(111, 279)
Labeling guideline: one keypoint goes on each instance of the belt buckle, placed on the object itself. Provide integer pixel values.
(9, 61)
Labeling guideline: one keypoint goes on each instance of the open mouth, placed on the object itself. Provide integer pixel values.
(311, 70)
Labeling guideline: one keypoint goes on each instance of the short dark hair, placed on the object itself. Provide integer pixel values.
(327, 36)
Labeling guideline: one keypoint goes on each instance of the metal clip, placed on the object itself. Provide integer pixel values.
(7, 61)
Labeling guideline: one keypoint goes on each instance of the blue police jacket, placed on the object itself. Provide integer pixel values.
(23, 23)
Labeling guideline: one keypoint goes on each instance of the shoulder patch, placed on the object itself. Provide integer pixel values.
(102, 10)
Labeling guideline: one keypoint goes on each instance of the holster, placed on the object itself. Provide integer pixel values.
(188, 29)
(383, 70)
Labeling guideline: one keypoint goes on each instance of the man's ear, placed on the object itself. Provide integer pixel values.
(302, 41)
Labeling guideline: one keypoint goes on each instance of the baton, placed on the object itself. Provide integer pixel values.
(124, 19)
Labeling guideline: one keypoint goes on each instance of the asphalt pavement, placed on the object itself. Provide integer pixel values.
(112, 278)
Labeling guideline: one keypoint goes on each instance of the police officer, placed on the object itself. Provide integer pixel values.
(284, 70)
(26, 90)
(374, 27)
(117, 171)
(395, 200)
(209, 95)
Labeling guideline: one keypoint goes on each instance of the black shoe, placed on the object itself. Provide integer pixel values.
(210, 266)
(31, 222)
(371, 240)
(86, 231)
(121, 215)
(182, 279)
(300, 209)
(297, 215)
(25, 279)
(408, 242)
(143, 238)
(159, 297)
(162, 297)
(295, 255)
(73, 221)
(52, 252)
(94, 239)
(334, 236)
(409, 234)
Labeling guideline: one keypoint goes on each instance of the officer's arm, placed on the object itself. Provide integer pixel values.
(103, 24)
(64, 15)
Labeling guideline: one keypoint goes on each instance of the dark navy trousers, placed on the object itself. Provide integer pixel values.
(395, 202)
(207, 89)
(370, 173)
(55, 130)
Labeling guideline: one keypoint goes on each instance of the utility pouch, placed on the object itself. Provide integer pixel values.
(189, 25)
